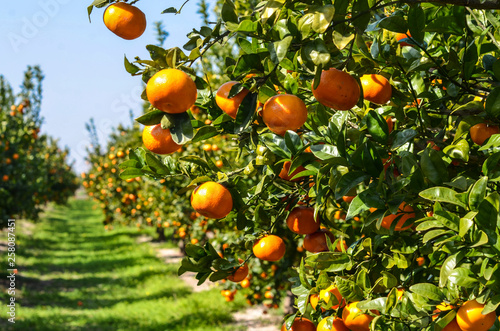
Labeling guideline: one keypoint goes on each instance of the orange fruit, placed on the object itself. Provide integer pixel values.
(376, 88)
(245, 283)
(452, 326)
(124, 20)
(337, 325)
(482, 131)
(240, 273)
(212, 200)
(219, 163)
(300, 324)
(5, 178)
(269, 248)
(229, 105)
(405, 210)
(284, 112)
(355, 321)
(301, 220)
(15, 156)
(284, 173)
(194, 241)
(316, 242)
(470, 318)
(158, 140)
(268, 295)
(171, 91)
(337, 89)
(400, 36)
(348, 198)
(390, 123)
(420, 261)
(326, 295)
(314, 300)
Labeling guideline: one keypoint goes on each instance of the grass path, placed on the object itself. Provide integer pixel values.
(75, 276)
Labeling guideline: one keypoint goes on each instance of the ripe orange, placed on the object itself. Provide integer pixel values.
(313, 300)
(420, 261)
(15, 156)
(284, 173)
(124, 20)
(5, 178)
(300, 324)
(229, 105)
(219, 163)
(452, 326)
(355, 321)
(284, 112)
(316, 242)
(390, 123)
(212, 200)
(469, 317)
(376, 88)
(405, 210)
(158, 140)
(269, 248)
(337, 325)
(348, 198)
(301, 220)
(337, 89)
(245, 283)
(240, 273)
(326, 295)
(482, 131)
(400, 36)
(171, 91)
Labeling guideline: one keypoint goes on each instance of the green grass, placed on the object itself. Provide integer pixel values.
(69, 258)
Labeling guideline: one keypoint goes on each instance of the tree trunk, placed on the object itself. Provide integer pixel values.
(161, 234)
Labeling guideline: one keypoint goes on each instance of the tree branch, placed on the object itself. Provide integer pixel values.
(476, 4)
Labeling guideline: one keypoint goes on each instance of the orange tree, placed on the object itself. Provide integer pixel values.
(33, 169)
(397, 156)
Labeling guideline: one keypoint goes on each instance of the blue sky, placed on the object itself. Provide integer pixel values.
(82, 62)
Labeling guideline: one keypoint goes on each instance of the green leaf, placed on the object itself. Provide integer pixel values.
(488, 216)
(402, 137)
(194, 251)
(156, 165)
(491, 305)
(377, 126)
(462, 277)
(453, 23)
(170, 10)
(416, 23)
(322, 17)
(316, 52)
(442, 194)
(276, 144)
(245, 113)
(151, 118)
(394, 23)
(427, 290)
(371, 159)
(448, 265)
(228, 12)
(130, 164)
(131, 68)
(328, 261)
(204, 133)
(433, 166)
(340, 40)
(349, 181)
(279, 49)
(492, 145)
(182, 129)
(477, 193)
(491, 167)
(325, 152)
(358, 7)
(131, 173)
(348, 289)
(247, 62)
(492, 106)
(459, 150)
(195, 159)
